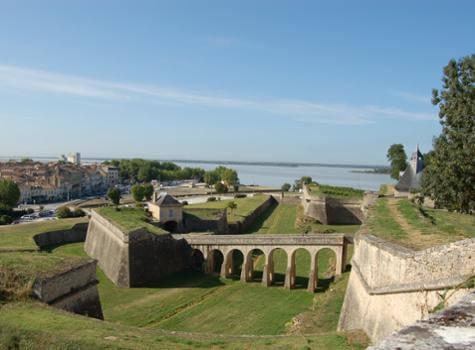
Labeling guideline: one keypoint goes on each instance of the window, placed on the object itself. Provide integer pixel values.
(170, 213)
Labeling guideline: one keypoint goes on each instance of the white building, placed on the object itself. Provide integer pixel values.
(74, 158)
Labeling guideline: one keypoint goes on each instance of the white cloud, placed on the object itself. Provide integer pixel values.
(413, 97)
(295, 109)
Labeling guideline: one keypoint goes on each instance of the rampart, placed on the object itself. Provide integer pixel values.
(391, 287)
(74, 290)
(244, 225)
(135, 258)
(194, 223)
(76, 234)
(332, 211)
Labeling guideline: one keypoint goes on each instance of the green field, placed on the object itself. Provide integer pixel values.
(289, 218)
(36, 326)
(188, 302)
(245, 206)
(416, 227)
(21, 236)
(129, 219)
(336, 191)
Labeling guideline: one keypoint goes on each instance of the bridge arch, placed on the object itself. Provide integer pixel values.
(253, 255)
(232, 264)
(328, 264)
(197, 260)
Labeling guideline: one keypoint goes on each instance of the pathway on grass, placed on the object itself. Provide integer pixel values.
(416, 238)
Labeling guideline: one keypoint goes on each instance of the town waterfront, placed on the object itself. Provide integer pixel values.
(276, 175)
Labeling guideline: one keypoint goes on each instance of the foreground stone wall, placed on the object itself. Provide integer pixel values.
(74, 290)
(137, 258)
(332, 211)
(452, 328)
(391, 287)
(193, 223)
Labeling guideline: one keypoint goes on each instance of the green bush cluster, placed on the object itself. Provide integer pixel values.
(64, 212)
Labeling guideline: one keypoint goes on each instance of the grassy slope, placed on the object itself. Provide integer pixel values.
(416, 227)
(245, 206)
(35, 326)
(336, 191)
(129, 219)
(21, 236)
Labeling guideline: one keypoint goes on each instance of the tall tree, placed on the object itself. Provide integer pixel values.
(9, 193)
(449, 177)
(148, 191)
(114, 195)
(138, 192)
(398, 159)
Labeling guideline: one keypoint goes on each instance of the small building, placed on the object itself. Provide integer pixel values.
(167, 210)
(410, 180)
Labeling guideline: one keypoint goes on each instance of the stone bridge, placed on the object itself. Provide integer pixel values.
(211, 245)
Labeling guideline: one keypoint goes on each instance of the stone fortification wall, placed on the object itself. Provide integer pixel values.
(391, 287)
(137, 258)
(153, 257)
(193, 223)
(109, 246)
(74, 290)
(76, 234)
(332, 211)
(244, 225)
(452, 328)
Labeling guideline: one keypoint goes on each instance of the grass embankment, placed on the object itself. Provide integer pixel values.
(405, 223)
(35, 326)
(16, 237)
(335, 191)
(129, 219)
(203, 303)
(245, 206)
(289, 218)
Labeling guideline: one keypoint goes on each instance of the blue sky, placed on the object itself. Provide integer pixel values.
(307, 81)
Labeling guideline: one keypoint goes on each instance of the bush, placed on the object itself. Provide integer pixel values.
(64, 212)
(184, 202)
(220, 187)
(211, 199)
(285, 187)
(5, 220)
(78, 213)
(240, 195)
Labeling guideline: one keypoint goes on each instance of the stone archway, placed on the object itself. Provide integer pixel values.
(217, 259)
(232, 265)
(326, 263)
(254, 256)
(302, 260)
(197, 260)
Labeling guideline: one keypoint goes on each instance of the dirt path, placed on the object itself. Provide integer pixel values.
(415, 238)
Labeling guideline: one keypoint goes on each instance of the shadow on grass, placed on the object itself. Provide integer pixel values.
(259, 221)
(187, 279)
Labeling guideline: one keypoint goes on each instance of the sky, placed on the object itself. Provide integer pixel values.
(297, 81)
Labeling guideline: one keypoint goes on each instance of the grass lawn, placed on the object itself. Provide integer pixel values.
(207, 303)
(129, 219)
(415, 227)
(36, 326)
(203, 213)
(21, 236)
(245, 206)
(336, 191)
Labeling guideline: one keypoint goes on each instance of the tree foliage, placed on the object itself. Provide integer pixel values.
(143, 170)
(148, 191)
(114, 195)
(304, 180)
(9, 193)
(220, 187)
(138, 192)
(227, 175)
(398, 159)
(232, 205)
(286, 187)
(449, 176)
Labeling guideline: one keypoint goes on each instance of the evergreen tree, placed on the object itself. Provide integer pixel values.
(449, 176)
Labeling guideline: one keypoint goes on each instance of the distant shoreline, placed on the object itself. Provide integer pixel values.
(219, 162)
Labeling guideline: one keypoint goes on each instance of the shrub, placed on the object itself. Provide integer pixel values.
(78, 213)
(220, 187)
(211, 199)
(5, 220)
(240, 195)
(63, 212)
(184, 202)
(285, 187)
